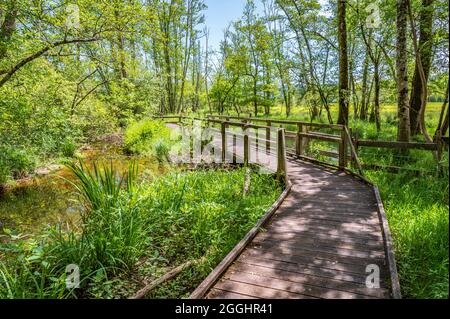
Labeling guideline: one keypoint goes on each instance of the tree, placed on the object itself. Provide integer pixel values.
(425, 47)
(343, 63)
(403, 132)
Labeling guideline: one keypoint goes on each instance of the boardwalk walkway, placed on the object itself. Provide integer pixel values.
(323, 241)
(317, 245)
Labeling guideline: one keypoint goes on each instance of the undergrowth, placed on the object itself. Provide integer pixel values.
(135, 230)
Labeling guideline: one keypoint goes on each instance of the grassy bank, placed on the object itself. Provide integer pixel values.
(417, 211)
(135, 232)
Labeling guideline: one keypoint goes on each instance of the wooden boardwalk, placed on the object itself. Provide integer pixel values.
(317, 245)
(321, 240)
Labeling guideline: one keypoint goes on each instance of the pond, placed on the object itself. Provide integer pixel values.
(29, 205)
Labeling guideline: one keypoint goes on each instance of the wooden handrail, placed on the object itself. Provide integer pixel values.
(293, 122)
(281, 149)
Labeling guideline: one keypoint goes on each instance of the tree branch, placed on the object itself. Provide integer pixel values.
(39, 53)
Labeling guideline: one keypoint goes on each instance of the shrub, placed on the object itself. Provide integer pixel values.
(68, 148)
(141, 137)
(15, 162)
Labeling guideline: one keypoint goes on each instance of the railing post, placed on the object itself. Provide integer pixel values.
(343, 150)
(299, 140)
(268, 124)
(281, 157)
(224, 141)
(350, 142)
(355, 143)
(246, 146)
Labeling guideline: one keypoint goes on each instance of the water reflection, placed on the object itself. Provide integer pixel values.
(34, 203)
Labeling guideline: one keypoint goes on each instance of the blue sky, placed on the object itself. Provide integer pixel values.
(218, 15)
(221, 12)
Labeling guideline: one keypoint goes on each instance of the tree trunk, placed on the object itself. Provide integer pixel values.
(376, 100)
(443, 119)
(255, 93)
(343, 64)
(7, 29)
(364, 91)
(403, 132)
(425, 49)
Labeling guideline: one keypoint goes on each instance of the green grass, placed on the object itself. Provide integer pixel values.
(417, 211)
(137, 230)
(147, 137)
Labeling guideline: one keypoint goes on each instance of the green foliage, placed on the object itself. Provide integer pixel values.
(101, 187)
(417, 210)
(147, 136)
(15, 162)
(172, 219)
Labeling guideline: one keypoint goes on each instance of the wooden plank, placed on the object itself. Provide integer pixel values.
(397, 145)
(223, 294)
(292, 287)
(335, 237)
(329, 231)
(322, 137)
(357, 232)
(325, 241)
(311, 265)
(315, 285)
(310, 260)
(296, 268)
(336, 215)
(258, 291)
(342, 254)
(326, 216)
(289, 221)
(342, 249)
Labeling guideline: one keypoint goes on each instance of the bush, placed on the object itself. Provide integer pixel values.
(15, 162)
(68, 148)
(141, 137)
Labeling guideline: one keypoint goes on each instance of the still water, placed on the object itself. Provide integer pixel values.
(31, 204)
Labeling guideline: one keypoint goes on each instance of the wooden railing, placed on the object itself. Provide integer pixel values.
(307, 131)
(281, 167)
(346, 157)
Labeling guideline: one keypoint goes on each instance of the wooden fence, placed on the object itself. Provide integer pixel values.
(348, 144)
(281, 167)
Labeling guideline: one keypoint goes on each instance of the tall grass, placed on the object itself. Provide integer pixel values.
(101, 186)
(110, 240)
(417, 211)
